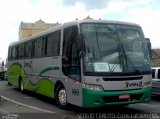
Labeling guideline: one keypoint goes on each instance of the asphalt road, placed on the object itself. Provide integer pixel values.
(15, 105)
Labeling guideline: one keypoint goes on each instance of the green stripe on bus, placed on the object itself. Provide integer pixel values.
(49, 69)
(14, 71)
(44, 87)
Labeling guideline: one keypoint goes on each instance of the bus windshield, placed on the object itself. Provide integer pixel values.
(114, 48)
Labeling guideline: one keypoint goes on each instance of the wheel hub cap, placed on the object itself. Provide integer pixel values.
(62, 96)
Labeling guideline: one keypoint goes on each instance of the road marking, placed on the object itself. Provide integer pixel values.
(36, 108)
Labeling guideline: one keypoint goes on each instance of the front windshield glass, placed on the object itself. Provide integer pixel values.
(114, 48)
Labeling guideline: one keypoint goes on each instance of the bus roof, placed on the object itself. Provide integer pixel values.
(99, 21)
(58, 27)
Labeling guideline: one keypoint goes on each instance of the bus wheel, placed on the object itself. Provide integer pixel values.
(61, 97)
(9, 84)
(21, 86)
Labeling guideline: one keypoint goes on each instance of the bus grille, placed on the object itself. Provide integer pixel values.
(112, 99)
(122, 78)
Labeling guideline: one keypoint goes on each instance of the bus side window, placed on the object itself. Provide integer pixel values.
(9, 53)
(53, 44)
(21, 51)
(13, 53)
(16, 52)
(38, 47)
(28, 49)
(75, 63)
(71, 65)
(158, 74)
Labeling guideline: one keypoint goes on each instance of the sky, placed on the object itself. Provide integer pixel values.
(146, 13)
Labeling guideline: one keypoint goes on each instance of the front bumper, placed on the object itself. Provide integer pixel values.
(98, 99)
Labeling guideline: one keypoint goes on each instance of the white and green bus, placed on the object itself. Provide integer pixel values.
(87, 63)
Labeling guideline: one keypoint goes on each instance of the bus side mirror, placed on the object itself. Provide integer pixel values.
(148, 45)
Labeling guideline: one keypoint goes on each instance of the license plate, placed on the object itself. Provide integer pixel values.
(124, 96)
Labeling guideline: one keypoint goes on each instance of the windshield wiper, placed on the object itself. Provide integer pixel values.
(128, 59)
(124, 63)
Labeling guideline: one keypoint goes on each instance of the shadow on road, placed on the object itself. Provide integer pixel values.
(78, 111)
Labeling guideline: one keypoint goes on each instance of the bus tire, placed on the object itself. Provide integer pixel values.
(21, 85)
(61, 96)
(9, 84)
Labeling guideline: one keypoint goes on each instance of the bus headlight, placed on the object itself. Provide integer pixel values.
(93, 87)
(147, 84)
